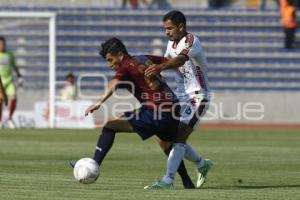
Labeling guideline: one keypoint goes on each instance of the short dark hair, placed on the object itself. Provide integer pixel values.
(112, 46)
(70, 75)
(176, 17)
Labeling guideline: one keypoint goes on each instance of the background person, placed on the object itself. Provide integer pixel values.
(288, 11)
(7, 65)
(69, 91)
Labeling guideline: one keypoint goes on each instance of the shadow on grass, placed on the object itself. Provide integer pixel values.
(251, 187)
(266, 186)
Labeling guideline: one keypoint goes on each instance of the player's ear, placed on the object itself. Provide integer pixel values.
(181, 27)
(120, 55)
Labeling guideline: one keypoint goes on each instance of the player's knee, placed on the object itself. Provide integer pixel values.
(110, 125)
(183, 133)
(165, 146)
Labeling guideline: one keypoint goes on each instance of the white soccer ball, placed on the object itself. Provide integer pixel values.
(86, 170)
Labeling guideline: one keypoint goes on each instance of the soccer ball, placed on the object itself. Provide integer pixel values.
(86, 170)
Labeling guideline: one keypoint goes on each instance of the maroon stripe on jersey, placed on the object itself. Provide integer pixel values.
(174, 45)
(188, 44)
(200, 77)
(198, 113)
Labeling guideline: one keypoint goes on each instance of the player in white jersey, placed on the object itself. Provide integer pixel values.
(187, 60)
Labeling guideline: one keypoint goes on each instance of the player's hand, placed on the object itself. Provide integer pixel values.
(3, 98)
(152, 70)
(92, 108)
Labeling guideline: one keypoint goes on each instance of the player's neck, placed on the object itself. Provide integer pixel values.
(182, 35)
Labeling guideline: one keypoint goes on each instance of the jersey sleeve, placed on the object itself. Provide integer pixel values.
(192, 46)
(167, 53)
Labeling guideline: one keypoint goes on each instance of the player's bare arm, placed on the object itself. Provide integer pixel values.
(3, 97)
(108, 92)
(171, 63)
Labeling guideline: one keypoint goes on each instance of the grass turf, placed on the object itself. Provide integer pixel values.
(249, 164)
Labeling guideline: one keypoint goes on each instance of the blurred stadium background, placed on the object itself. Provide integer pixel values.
(255, 82)
(243, 43)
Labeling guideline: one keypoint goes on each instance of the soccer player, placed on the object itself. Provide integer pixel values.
(3, 97)
(188, 61)
(7, 64)
(156, 116)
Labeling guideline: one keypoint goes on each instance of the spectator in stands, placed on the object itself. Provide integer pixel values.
(7, 64)
(68, 92)
(134, 4)
(263, 4)
(288, 21)
(218, 3)
(159, 4)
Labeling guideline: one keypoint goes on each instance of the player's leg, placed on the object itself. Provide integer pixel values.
(3, 88)
(191, 122)
(11, 93)
(12, 106)
(176, 155)
(106, 139)
(190, 115)
(186, 180)
(1, 115)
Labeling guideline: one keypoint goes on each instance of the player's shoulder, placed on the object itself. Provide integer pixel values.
(191, 38)
(140, 58)
(129, 61)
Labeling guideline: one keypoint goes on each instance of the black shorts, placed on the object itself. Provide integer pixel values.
(148, 123)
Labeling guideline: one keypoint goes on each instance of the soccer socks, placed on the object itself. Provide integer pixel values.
(104, 144)
(175, 157)
(192, 155)
(12, 108)
(186, 180)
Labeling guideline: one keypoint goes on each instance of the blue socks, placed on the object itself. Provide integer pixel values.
(104, 144)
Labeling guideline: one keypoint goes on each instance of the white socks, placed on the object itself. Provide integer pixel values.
(178, 152)
(192, 155)
(175, 157)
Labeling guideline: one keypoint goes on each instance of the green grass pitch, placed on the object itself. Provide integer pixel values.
(249, 164)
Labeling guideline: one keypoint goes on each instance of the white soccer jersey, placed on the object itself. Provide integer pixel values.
(191, 77)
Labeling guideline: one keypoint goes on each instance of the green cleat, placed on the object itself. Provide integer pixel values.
(160, 185)
(202, 172)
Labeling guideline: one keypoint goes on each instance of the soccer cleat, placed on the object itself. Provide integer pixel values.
(11, 124)
(72, 163)
(202, 172)
(160, 185)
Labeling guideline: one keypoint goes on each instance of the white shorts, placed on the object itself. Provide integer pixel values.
(193, 109)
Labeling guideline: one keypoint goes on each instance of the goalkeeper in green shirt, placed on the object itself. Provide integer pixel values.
(7, 65)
